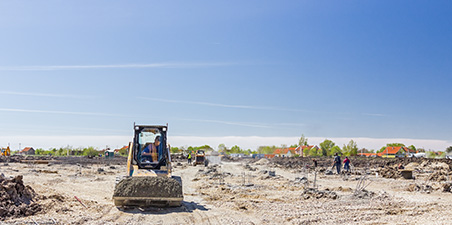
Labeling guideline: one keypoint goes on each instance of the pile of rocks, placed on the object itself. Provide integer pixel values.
(317, 194)
(439, 175)
(16, 199)
(389, 172)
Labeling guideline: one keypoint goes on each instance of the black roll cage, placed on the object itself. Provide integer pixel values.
(136, 147)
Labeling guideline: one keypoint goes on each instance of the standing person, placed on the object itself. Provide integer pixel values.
(347, 164)
(189, 157)
(337, 163)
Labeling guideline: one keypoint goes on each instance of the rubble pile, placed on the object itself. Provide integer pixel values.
(439, 175)
(447, 187)
(16, 199)
(211, 172)
(389, 172)
(318, 194)
(262, 161)
(363, 193)
(420, 188)
(250, 168)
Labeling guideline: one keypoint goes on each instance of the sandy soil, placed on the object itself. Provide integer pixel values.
(236, 193)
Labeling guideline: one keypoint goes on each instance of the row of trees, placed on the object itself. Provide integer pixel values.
(68, 150)
(222, 148)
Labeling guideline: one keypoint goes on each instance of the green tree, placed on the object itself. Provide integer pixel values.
(266, 149)
(205, 147)
(302, 141)
(221, 147)
(326, 146)
(314, 152)
(335, 149)
(60, 151)
(412, 147)
(39, 151)
(430, 154)
(123, 151)
(351, 149)
(175, 150)
(235, 149)
(449, 149)
(90, 151)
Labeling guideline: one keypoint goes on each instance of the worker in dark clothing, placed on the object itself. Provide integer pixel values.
(315, 163)
(337, 163)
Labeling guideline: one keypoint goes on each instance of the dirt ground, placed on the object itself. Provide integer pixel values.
(244, 192)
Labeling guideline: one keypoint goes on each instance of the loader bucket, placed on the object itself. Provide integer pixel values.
(148, 192)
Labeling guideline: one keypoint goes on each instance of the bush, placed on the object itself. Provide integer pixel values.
(90, 151)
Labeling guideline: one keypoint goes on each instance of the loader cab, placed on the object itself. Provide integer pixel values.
(144, 135)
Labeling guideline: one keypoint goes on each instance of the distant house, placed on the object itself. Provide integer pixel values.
(269, 156)
(285, 152)
(392, 152)
(368, 154)
(119, 149)
(27, 151)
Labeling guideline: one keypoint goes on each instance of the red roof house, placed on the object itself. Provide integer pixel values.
(392, 152)
(27, 151)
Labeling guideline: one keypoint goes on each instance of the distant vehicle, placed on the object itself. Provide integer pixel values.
(200, 158)
(448, 156)
(6, 152)
(419, 155)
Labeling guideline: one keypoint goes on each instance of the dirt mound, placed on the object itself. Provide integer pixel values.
(412, 166)
(447, 187)
(318, 194)
(262, 161)
(16, 199)
(148, 187)
(420, 188)
(439, 175)
(439, 166)
(389, 172)
(248, 167)
(363, 194)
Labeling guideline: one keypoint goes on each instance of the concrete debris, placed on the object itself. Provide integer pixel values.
(318, 194)
(16, 199)
(425, 188)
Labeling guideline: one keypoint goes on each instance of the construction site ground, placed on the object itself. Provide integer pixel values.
(245, 191)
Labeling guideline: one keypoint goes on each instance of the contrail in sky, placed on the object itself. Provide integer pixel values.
(114, 66)
(230, 123)
(44, 94)
(223, 105)
(59, 112)
(245, 106)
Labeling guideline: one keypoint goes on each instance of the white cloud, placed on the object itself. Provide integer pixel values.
(58, 112)
(246, 106)
(116, 66)
(44, 94)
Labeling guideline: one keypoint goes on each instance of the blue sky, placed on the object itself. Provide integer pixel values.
(325, 69)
